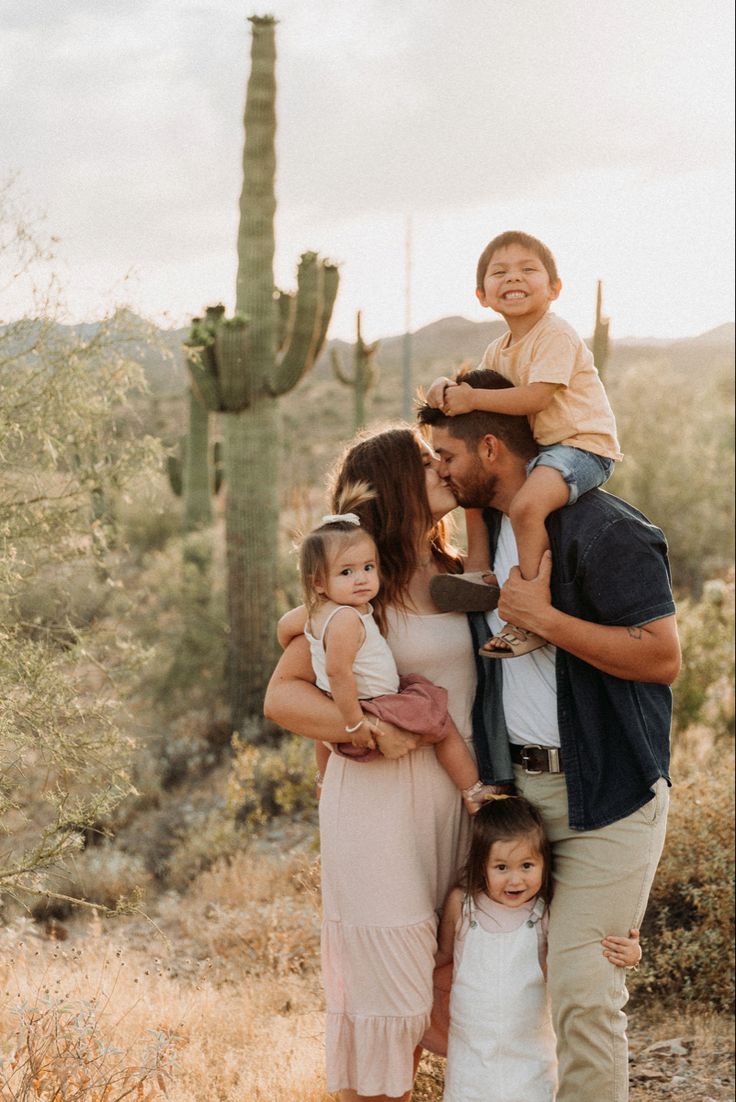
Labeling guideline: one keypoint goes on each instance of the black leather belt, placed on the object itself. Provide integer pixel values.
(537, 759)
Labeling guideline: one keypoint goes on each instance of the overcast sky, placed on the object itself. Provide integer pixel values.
(605, 128)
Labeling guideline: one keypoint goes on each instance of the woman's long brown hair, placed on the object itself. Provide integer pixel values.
(390, 462)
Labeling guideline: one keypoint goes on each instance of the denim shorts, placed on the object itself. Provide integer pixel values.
(581, 470)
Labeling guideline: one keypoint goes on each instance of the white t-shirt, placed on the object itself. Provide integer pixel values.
(529, 682)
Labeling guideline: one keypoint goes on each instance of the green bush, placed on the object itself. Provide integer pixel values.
(688, 931)
(147, 525)
(183, 623)
(269, 781)
(54, 602)
(703, 693)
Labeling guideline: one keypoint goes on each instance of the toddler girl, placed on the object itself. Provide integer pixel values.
(353, 662)
(501, 1045)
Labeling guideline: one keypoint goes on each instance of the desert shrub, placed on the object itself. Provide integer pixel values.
(107, 876)
(688, 931)
(66, 1038)
(182, 620)
(207, 838)
(55, 602)
(146, 523)
(678, 466)
(704, 691)
(254, 914)
(267, 781)
(64, 455)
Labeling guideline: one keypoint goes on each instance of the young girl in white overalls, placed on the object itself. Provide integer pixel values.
(501, 1046)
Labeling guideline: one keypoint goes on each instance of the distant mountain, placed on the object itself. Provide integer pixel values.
(437, 348)
(722, 334)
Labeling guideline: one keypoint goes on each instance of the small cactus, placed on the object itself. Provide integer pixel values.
(601, 345)
(365, 372)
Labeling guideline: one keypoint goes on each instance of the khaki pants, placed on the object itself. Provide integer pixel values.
(602, 880)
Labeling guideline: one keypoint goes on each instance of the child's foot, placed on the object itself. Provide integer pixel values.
(474, 592)
(479, 794)
(511, 642)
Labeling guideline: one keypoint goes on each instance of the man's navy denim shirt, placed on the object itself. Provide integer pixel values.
(609, 567)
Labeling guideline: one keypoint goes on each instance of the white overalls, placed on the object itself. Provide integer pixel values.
(501, 1045)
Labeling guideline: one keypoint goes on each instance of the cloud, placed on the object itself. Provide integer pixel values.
(126, 119)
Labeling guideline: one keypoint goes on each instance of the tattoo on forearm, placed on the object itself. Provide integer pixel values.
(635, 633)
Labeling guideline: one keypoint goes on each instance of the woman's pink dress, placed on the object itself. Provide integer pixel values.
(393, 834)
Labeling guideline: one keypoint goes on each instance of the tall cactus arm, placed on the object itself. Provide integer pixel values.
(201, 361)
(203, 375)
(330, 283)
(256, 244)
(197, 506)
(285, 304)
(340, 374)
(175, 468)
(232, 353)
(311, 318)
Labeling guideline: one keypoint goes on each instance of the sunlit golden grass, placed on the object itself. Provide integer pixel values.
(219, 991)
(224, 1000)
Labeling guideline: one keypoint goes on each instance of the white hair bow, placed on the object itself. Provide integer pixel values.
(335, 518)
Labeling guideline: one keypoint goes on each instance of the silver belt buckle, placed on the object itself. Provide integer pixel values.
(525, 760)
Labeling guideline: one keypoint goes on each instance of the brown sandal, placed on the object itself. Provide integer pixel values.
(516, 641)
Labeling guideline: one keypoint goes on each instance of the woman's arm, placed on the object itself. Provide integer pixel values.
(290, 625)
(448, 925)
(294, 702)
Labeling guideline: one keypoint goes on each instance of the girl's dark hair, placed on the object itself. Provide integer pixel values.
(503, 821)
(390, 462)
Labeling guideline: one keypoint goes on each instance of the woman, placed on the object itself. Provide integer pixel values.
(392, 830)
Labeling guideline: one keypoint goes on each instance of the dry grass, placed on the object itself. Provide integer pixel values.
(222, 995)
(227, 983)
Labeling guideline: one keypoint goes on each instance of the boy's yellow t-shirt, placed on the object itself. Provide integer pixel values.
(552, 352)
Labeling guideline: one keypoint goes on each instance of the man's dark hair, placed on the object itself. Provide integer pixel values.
(471, 427)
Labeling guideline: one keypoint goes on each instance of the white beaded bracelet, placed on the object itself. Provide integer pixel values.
(352, 730)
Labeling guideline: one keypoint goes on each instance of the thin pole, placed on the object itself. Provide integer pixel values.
(406, 403)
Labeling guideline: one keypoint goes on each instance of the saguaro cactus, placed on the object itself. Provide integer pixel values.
(241, 366)
(365, 372)
(193, 469)
(601, 347)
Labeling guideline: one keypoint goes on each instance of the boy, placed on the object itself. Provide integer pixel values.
(557, 386)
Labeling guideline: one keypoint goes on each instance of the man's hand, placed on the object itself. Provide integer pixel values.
(436, 393)
(459, 398)
(526, 603)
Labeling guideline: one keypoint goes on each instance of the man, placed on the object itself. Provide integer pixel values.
(587, 720)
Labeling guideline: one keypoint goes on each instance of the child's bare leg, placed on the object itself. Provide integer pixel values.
(544, 491)
(456, 760)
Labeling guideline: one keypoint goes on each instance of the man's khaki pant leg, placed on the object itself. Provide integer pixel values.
(602, 880)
